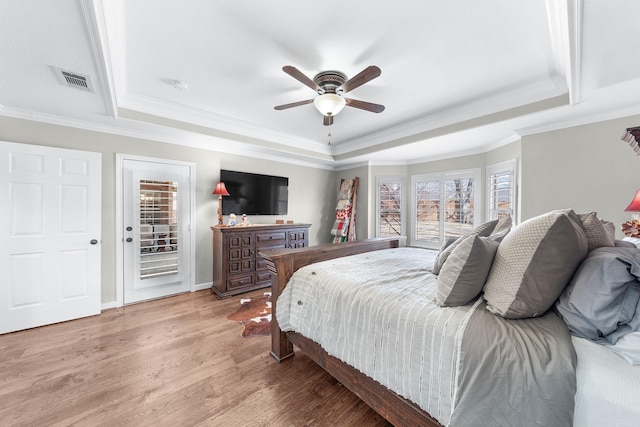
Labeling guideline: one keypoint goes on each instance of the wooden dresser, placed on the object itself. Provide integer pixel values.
(237, 267)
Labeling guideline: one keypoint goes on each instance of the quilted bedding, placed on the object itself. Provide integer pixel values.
(463, 365)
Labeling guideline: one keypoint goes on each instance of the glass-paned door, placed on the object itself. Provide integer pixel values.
(156, 220)
(159, 250)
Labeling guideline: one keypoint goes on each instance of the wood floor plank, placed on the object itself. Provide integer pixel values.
(176, 361)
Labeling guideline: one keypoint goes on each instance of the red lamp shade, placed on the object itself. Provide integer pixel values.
(634, 206)
(220, 189)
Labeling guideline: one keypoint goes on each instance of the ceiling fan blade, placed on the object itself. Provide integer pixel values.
(293, 104)
(298, 75)
(328, 120)
(363, 105)
(369, 73)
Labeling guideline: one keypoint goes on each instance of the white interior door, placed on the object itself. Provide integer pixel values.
(50, 235)
(156, 236)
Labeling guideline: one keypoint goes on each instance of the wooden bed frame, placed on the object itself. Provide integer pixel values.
(282, 263)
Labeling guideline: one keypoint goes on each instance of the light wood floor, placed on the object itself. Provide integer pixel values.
(171, 362)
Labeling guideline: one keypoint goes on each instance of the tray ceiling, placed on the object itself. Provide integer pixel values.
(457, 77)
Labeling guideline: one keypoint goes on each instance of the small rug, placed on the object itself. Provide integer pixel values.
(255, 315)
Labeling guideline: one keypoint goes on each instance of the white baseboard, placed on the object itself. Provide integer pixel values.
(114, 304)
(201, 286)
(108, 305)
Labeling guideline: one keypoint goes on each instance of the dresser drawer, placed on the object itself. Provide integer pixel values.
(240, 281)
(263, 276)
(272, 240)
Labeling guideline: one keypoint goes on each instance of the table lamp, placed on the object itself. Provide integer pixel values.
(220, 190)
(632, 228)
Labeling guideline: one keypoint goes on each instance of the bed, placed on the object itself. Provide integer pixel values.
(467, 374)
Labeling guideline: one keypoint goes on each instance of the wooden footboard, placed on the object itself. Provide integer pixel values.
(282, 263)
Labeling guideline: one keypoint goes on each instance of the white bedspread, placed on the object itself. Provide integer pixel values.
(608, 388)
(350, 315)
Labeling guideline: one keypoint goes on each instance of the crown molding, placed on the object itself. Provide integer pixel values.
(490, 108)
(201, 117)
(578, 121)
(152, 132)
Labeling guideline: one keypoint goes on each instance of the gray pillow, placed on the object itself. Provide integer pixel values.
(533, 265)
(445, 249)
(450, 243)
(610, 228)
(463, 274)
(486, 229)
(503, 226)
(595, 231)
(602, 301)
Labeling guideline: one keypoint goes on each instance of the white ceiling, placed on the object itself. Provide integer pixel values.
(458, 76)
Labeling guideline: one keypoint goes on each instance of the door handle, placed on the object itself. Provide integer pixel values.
(93, 241)
(129, 228)
(129, 239)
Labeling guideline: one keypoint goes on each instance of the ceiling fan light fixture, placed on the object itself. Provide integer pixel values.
(329, 104)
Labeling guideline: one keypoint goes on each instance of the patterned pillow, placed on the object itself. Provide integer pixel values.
(594, 229)
(533, 265)
(463, 274)
(610, 229)
(597, 236)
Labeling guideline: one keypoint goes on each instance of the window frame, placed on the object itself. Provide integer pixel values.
(474, 173)
(380, 180)
(511, 166)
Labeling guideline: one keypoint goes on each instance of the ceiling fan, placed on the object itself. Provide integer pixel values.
(331, 85)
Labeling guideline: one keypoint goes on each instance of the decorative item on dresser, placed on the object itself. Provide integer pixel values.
(632, 228)
(237, 266)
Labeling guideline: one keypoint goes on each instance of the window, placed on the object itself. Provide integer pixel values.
(390, 215)
(444, 205)
(501, 190)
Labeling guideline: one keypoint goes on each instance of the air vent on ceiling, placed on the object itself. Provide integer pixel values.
(75, 80)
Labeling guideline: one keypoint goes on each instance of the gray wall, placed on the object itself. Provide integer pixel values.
(311, 190)
(586, 168)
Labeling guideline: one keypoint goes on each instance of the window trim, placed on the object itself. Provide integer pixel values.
(475, 173)
(393, 179)
(507, 165)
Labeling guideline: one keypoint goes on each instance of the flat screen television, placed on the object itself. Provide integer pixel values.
(254, 194)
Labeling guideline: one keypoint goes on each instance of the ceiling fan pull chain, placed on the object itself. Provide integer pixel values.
(329, 136)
